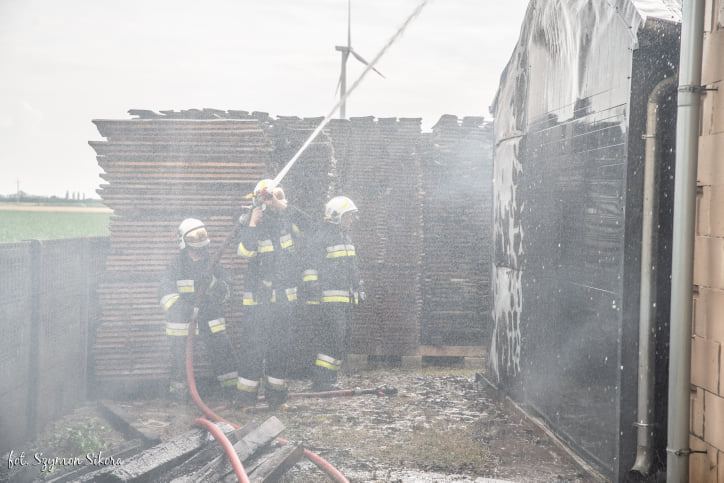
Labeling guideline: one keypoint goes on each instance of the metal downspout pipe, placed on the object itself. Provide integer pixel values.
(682, 263)
(647, 311)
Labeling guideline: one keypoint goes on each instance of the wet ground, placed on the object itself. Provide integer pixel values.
(441, 426)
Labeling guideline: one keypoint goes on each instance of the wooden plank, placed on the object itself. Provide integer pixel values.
(90, 472)
(220, 466)
(205, 455)
(123, 420)
(149, 465)
(451, 351)
(275, 466)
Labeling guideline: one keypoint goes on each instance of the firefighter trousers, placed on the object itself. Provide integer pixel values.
(332, 341)
(211, 329)
(266, 337)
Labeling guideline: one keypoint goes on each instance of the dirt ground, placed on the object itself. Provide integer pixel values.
(441, 426)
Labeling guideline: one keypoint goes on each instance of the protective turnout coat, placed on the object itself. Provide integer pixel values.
(178, 292)
(331, 280)
(270, 293)
(331, 270)
(271, 248)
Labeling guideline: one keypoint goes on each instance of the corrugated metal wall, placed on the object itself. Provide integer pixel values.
(569, 160)
(47, 310)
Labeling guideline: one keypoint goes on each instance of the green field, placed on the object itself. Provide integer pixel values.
(47, 225)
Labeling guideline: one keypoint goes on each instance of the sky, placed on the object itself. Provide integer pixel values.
(65, 63)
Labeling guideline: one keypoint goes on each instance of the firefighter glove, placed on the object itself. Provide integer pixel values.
(361, 294)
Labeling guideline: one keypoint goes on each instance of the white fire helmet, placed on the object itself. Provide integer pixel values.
(265, 186)
(192, 233)
(336, 207)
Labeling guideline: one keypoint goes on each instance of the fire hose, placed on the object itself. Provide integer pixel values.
(325, 466)
(321, 463)
(228, 448)
(219, 435)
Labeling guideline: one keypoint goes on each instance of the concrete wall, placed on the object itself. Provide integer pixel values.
(47, 310)
(707, 359)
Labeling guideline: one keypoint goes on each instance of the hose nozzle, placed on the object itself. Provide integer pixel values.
(386, 390)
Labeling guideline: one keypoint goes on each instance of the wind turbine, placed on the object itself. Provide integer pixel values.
(346, 50)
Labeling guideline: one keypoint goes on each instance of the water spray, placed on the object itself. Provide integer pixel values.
(317, 460)
(368, 68)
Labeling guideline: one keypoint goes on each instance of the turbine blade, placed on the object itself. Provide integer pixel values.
(361, 59)
(339, 84)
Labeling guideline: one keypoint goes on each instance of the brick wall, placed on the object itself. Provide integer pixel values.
(707, 359)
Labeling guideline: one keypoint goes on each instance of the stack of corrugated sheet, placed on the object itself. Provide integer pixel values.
(161, 169)
(424, 228)
(308, 183)
(379, 169)
(457, 181)
(307, 186)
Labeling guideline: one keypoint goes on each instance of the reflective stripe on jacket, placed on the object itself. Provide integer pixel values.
(330, 264)
(177, 290)
(271, 250)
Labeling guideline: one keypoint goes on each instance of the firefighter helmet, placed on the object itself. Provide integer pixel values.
(264, 187)
(192, 233)
(338, 206)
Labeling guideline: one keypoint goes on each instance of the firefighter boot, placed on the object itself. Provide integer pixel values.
(230, 394)
(275, 392)
(245, 400)
(324, 380)
(276, 398)
(248, 390)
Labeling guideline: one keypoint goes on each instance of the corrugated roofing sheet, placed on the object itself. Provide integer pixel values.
(161, 168)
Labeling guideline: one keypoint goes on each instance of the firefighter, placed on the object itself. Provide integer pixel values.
(185, 275)
(331, 280)
(270, 244)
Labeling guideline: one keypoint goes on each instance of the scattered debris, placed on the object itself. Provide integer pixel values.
(441, 426)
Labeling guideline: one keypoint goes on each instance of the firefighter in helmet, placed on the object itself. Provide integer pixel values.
(331, 280)
(268, 239)
(186, 276)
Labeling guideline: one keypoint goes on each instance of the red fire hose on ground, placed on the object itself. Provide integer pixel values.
(228, 448)
(325, 466)
(321, 463)
(223, 440)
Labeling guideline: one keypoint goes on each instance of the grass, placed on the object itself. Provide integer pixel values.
(21, 225)
(442, 449)
(81, 439)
